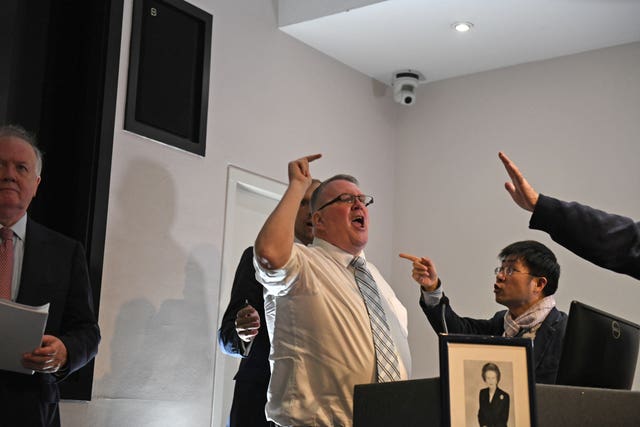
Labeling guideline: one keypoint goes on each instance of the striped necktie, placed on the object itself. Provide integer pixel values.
(386, 358)
(6, 262)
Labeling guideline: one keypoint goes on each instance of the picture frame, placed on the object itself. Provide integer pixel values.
(169, 71)
(470, 365)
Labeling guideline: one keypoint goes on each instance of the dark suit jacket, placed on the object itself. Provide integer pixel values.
(547, 345)
(496, 412)
(54, 270)
(252, 378)
(610, 241)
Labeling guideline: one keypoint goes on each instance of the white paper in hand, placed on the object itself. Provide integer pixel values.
(21, 329)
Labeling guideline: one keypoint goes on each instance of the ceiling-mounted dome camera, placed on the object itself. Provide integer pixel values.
(404, 85)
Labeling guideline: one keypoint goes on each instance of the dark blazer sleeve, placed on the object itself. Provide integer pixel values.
(245, 287)
(54, 270)
(79, 332)
(462, 325)
(607, 240)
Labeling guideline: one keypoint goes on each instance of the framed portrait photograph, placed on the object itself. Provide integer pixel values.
(487, 381)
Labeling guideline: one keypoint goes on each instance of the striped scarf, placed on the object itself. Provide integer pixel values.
(530, 320)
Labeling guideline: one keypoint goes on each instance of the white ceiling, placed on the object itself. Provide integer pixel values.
(389, 35)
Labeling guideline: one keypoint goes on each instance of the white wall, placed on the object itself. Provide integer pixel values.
(572, 124)
(272, 100)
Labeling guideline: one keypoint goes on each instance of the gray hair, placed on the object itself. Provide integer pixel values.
(318, 191)
(16, 131)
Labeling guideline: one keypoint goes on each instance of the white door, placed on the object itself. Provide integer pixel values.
(250, 200)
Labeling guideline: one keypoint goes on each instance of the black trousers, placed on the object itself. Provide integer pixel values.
(27, 408)
(247, 409)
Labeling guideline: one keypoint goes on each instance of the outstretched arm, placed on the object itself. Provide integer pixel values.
(521, 192)
(608, 240)
(275, 240)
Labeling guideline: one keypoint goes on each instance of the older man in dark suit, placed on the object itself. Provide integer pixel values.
(44, 267)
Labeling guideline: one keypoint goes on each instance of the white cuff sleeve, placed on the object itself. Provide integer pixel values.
(431, 299)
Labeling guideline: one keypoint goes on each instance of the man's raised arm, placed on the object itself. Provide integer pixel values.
(275, 240)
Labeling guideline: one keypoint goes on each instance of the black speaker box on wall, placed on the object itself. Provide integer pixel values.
(168, 89)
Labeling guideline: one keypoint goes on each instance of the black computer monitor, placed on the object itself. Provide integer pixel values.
(600, 349)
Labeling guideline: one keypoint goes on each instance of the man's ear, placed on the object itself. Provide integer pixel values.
(316, 219)
(541, 282)
(35, 190)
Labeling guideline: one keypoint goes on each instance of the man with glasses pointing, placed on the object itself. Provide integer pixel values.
(333, 320)
(525, 283)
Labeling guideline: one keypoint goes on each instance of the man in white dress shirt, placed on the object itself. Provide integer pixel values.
(321, 334)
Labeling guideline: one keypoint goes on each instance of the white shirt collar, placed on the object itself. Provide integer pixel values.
(343, 257)
(20, 227)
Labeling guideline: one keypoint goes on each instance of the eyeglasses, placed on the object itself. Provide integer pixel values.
(508, 271)
(349, 198)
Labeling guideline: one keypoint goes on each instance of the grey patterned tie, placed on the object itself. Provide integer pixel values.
(386, 358)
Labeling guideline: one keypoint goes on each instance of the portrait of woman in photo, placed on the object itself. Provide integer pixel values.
(494, 402)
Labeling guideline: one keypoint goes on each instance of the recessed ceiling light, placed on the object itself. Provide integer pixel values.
(462, 27)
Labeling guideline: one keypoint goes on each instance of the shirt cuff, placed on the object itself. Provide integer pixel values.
(432, 298)
(246, 347)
